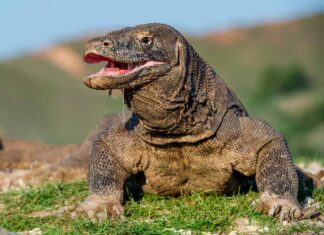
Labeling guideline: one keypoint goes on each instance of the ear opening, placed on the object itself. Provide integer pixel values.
(181, 61)
(181, 52)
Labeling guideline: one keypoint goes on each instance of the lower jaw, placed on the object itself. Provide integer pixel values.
(107, 83)
(129, 80)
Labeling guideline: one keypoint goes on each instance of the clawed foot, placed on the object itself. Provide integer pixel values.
(284, 208)
(99, 208)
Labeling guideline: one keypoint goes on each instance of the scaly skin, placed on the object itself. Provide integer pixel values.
(26, 155)
(186, 132)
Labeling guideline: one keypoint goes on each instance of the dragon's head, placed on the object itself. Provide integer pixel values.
(134, 55)
(174, 93)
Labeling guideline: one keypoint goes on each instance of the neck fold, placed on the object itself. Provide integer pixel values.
(185, 106)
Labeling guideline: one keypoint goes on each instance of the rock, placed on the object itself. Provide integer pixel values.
(4, 232)
(35, 231)
(246, 226)
(285, 223)
(308, 202)
(264, 229)
(233, 233)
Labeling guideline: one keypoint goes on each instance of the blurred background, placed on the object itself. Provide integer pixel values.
(271, 53)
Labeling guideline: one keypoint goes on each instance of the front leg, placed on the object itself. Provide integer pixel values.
(106, 184)
(277, 181)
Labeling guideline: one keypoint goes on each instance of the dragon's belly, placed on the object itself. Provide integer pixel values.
(172, 173)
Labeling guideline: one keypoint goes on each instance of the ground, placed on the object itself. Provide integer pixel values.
(37, 210)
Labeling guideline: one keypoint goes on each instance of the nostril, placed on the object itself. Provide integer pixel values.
(106, 44)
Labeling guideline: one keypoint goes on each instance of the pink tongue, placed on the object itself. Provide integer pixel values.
(123, 71)
(110, 71)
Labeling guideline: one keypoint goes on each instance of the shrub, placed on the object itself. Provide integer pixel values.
(278, 79)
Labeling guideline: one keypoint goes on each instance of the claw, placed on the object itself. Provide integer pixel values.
(117, 210)
(271, 212)
(102, 216)
(296, 213)
(274, 210)
(284, 215)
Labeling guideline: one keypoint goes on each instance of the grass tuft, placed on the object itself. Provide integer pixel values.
(197, 213)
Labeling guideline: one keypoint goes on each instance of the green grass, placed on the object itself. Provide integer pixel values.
(152, 215)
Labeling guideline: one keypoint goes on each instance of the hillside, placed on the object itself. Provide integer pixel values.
(42, 98)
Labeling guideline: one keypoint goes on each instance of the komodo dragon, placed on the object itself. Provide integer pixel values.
(186, 132)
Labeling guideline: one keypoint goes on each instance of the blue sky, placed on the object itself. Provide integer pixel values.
(32, 24)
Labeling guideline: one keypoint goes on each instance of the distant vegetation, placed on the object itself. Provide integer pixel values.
(42, 100)
(284, 82)
(278, 80)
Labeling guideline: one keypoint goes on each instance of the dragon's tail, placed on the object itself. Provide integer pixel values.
(18, 154)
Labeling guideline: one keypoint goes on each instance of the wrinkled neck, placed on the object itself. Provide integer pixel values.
(163, 103)
(185, 105)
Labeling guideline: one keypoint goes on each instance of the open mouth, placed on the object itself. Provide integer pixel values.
(114, 68)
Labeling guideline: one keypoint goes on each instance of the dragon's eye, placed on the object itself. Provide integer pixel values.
(146, 40)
